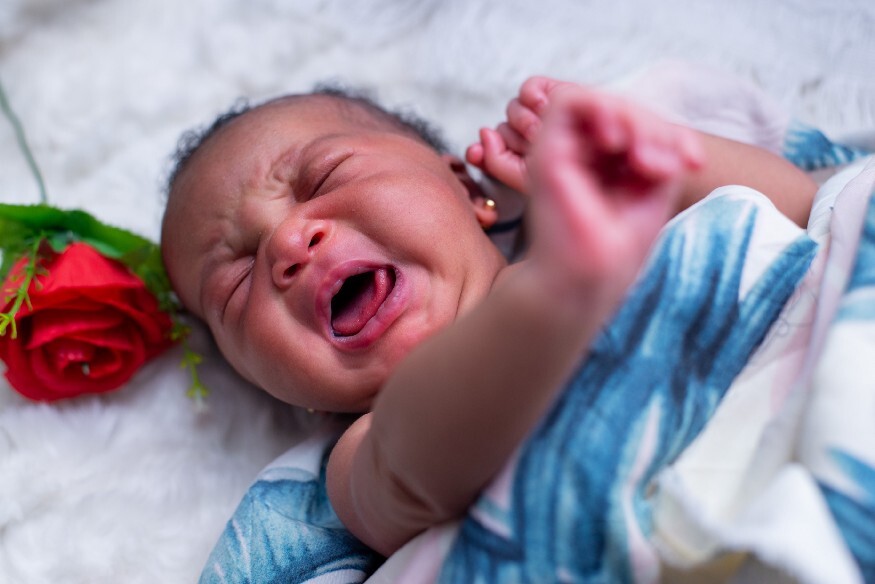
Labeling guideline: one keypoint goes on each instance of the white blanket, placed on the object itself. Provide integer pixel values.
(136, 486)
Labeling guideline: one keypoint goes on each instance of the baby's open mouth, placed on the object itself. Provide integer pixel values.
(359, 299)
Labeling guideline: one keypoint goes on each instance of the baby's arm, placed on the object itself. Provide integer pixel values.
(501, 153)
(606, 178)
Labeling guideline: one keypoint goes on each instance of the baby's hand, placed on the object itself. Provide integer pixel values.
(605, 178)
(501, 152)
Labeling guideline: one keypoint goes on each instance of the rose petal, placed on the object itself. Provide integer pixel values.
(76, 314)
(64, 352)
(47, 325)
(109, 370)
(139, 305)
(18, 369)
(67, 298)
(121, 338)
(67, 269)
(79, 272)
(156, 325)
(101, 364)
(108, 362)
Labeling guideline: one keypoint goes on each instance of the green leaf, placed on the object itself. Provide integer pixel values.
(12, 233)
(113, 242)
(58, 241)
(7, 263)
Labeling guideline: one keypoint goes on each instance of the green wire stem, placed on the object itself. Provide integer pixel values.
(22, 144)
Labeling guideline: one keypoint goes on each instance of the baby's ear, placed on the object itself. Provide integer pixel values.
(484, 207)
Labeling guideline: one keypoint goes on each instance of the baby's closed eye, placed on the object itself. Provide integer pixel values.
(235, 282)
(316, 179)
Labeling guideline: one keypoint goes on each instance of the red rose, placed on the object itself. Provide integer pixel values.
(90, 326)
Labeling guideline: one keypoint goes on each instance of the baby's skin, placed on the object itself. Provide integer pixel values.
(341, 265)
(604, 177)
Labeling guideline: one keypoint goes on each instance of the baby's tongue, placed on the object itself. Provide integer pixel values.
(358, 300)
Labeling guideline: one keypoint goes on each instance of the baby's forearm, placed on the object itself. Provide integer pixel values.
(729, 162)
(457, 407)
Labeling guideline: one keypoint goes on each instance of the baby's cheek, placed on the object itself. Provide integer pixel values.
(414, 335)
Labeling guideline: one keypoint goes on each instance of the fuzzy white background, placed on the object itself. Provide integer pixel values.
(136, 486)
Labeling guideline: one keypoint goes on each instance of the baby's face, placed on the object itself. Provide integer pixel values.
(320, 250)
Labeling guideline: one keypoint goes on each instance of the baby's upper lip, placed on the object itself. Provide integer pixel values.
(357, 301)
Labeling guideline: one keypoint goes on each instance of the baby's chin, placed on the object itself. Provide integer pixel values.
(334, 396)
(347, 386)
(359, 390)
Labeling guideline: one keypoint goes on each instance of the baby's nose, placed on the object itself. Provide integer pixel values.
(292, 246)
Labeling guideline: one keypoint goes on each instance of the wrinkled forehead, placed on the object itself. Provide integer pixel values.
(289, 120)
(247, 145)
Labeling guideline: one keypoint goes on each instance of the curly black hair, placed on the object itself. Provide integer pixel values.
(360, 100)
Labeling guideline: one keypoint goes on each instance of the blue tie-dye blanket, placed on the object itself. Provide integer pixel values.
(720, 427)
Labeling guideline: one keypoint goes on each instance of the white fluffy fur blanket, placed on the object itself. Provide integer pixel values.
(136, 486)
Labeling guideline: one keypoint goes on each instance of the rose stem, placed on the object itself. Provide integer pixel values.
(22, 144)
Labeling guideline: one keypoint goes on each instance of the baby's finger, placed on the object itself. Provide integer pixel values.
(513, 139)
(501, 162)
(474, 154)
(602, 118)
(494, 147)
(609, 122)
(523, 120)
(624, 132)
(655, 152)
(693, 148)
(535, 92)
